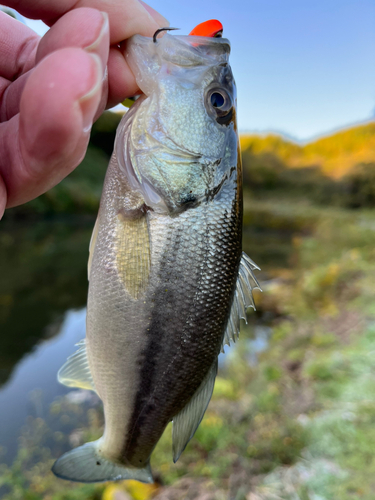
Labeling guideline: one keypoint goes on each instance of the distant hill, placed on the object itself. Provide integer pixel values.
(335, 155)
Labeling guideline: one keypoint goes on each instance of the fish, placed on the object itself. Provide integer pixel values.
(168, 281)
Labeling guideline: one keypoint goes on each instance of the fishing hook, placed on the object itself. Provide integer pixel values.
(160, 30)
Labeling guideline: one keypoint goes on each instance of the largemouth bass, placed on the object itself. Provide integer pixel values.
(168, 282)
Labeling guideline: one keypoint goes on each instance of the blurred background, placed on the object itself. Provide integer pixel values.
(293, 412)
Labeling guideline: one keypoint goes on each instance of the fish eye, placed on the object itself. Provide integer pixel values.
(219, 105)
(217, 100)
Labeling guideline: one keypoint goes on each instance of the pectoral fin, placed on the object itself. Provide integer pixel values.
(92, 246)
(133, 253)
(187, 421)
(243, 298)
(76, 371)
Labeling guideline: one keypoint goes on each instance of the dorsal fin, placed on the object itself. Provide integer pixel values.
(187, 421)
(243, 298)
(76, 371)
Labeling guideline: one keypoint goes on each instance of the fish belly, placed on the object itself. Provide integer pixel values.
(160, 294)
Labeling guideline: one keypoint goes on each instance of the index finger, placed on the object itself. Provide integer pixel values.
(126, 17)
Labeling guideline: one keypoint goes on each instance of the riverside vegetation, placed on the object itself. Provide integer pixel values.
(295, 421)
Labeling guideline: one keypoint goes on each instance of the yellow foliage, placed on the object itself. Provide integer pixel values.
(273, 389)
(270, 143)
(110, 491)
(137, 490)
(140, 491)
(212, 421)
(331, 275)
(354, 254)
(224, 389)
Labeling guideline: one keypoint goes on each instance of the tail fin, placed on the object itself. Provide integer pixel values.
(86, 465)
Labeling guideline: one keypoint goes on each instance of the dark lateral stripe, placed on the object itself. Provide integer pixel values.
(148, 360)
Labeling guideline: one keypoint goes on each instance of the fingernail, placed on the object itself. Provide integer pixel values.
(88, 102)
(103, 32)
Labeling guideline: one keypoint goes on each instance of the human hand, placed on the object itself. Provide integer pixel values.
(52, 88)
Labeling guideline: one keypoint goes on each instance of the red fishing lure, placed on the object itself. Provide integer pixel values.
(212, 28)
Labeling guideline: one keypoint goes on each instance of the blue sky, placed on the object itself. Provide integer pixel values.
(302, 67)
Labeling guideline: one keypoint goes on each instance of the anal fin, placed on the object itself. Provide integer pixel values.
(187, 421)
(76, 371)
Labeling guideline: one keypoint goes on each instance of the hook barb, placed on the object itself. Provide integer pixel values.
(160, 30)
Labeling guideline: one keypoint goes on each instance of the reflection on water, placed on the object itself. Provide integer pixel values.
(258, 343)
(33, 384)
(43, 274)
(268, 235)
(43, 289)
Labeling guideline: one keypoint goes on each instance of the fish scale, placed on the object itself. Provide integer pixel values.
(168, 279)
